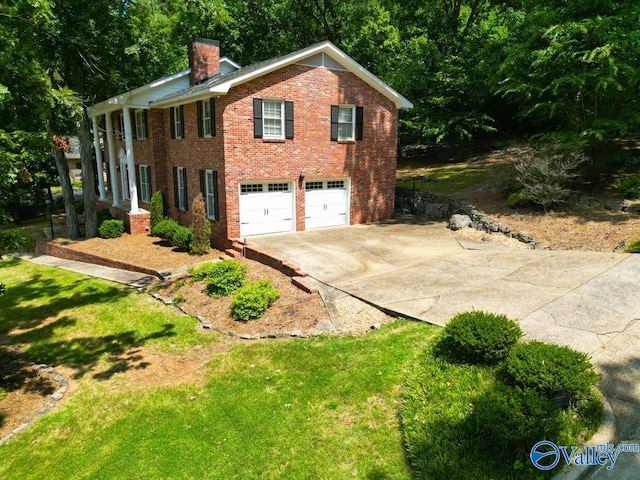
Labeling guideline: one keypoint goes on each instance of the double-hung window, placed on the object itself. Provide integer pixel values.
(272, 119)
(180, 188)
(176, 119)
(346, 123)
(209, 189)
(141, 124)
(145, 183)
(206, 118)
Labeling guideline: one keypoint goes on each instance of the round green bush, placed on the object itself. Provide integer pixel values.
(550, 370)
(478, 337)
(181, 237)
(514, 419)
(111, 229)
(519, 200)
(15, 240)
(222, 277)
(633, 247)
(165, 229)
(253, 300)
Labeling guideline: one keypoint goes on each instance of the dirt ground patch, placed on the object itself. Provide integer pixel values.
(592, 227)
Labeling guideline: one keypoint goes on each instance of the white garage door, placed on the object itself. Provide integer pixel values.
(326, 203)
(266, 208)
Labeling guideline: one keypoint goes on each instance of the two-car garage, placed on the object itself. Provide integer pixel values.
(269, 207)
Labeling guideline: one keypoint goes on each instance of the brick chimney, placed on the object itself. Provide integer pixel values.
(204, 59)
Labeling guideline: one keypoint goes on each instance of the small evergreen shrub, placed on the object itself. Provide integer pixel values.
(633, 247)
(111, 229)
(252, 301)
(550, 370)
(223, 277)
(514, 419)
(202, 271)
(14, 240)
(628, 186)
(478, 337)
(179, 299)
(201, 239)
(156, 209)
(181, 237)
(519, 200)
(165, 229)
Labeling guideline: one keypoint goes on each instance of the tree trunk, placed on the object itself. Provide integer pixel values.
(88, 176)
(73, 231)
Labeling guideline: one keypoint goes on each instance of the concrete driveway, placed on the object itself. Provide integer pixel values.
(588, 301)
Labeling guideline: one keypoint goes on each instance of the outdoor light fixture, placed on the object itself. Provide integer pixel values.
(302, 174)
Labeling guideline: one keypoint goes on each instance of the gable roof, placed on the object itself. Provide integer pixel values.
(221, 84)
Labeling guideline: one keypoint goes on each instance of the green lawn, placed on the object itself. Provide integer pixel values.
(445, 179)
(313, 408)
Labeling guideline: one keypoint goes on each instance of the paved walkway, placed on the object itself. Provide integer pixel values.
(588, 301)
(133, 279)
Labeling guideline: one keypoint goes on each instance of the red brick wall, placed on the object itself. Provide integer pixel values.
(370, 163)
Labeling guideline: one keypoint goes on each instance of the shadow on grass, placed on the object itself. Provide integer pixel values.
(27, 304)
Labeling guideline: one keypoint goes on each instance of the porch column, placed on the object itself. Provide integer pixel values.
(114, 181)
(128, 140)
(96, 146)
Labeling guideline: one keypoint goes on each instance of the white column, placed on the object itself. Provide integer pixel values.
(96, 146)
(114, 181)
(128, 140)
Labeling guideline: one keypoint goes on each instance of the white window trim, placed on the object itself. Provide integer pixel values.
(141, 128)
(182, 200)
(121, 126)
(352, 136)
(210, 195)
(264, 118)
(177, 123)
(145, 183)
(207, 119)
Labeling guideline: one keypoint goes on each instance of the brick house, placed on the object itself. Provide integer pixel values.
(305, 140)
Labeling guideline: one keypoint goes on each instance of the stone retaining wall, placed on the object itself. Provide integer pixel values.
(441, 207)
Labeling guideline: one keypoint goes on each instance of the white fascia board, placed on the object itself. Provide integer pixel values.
(335, 53)
(127, 99)
(230, 62)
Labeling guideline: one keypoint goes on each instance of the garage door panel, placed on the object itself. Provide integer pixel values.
(266, 212)
(326, 207)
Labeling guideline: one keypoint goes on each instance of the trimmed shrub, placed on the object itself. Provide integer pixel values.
(223, 277)
(165, 229)
(181, 237)
(628, 187)
(201, 239)
(111, 229)
(633, 247)
(550, 370)
(513, 419)
(253, 300)
(478, 337)
(156, 209)
(14, 240)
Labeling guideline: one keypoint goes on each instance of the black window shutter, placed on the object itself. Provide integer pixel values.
(216, 207)
(150, 182)
(145, 119)
(199, 117)
(119, 122)
(257, 118)
(335, 109)
(176, 190)
(172, 122)
(203, 186)
(212, 102)
(359, 122)
(186, 191)
(134, 127)
(182, 122)
(288, 120)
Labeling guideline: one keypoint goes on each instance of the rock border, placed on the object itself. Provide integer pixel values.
(442, 207)
(56, 396)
